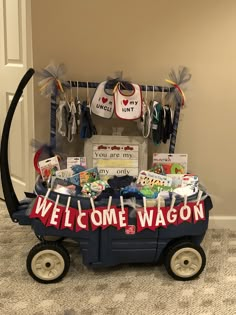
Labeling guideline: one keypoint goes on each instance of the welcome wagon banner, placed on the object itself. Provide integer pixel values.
(51, 213)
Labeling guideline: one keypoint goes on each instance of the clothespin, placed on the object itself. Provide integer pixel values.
(144, 204)
(92, 203)
(158, 203)
(79, 207)
(185, 200)
(109, 203)
(122, 204)
(57, 200)
(199, 196)
(68, 203)
(172, 202)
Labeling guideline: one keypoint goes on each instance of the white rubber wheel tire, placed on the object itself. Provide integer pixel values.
(48, 262)
(185, 261)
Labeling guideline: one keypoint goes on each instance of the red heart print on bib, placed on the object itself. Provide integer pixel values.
(104, 100)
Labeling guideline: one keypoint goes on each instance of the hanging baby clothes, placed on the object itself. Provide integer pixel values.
(128, 107)
(146, 120)
(168, 127)
(78, 112)
(157, 123)
(102, 103)
(61, 115)
(72, 122)
(67, 119)
(87, 128)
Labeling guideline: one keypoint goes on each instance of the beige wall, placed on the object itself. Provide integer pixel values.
(146, 39)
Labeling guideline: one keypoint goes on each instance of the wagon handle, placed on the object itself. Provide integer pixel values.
(11, 199)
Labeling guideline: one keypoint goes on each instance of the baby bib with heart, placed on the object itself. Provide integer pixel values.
(128, 107)
(102, 103)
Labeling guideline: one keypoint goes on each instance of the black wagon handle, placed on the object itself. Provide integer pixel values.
(11, 199)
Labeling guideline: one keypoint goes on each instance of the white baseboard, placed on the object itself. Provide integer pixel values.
(222, 222)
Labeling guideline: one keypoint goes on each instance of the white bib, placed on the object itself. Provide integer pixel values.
(128, 107)
(102, 103)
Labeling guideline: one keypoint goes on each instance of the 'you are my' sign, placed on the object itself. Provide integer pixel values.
(117, 159)
(116, 155)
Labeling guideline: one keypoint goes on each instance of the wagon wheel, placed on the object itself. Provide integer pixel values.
(185, 261)
(48, 262)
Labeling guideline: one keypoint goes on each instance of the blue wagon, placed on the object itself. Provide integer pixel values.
(177, 246)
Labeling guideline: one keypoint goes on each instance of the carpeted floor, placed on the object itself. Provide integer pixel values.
(122, 290)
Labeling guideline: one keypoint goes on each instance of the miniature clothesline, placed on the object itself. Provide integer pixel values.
(94, 85)
(152, 88)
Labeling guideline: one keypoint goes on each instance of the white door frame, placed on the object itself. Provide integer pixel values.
(15, 60)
